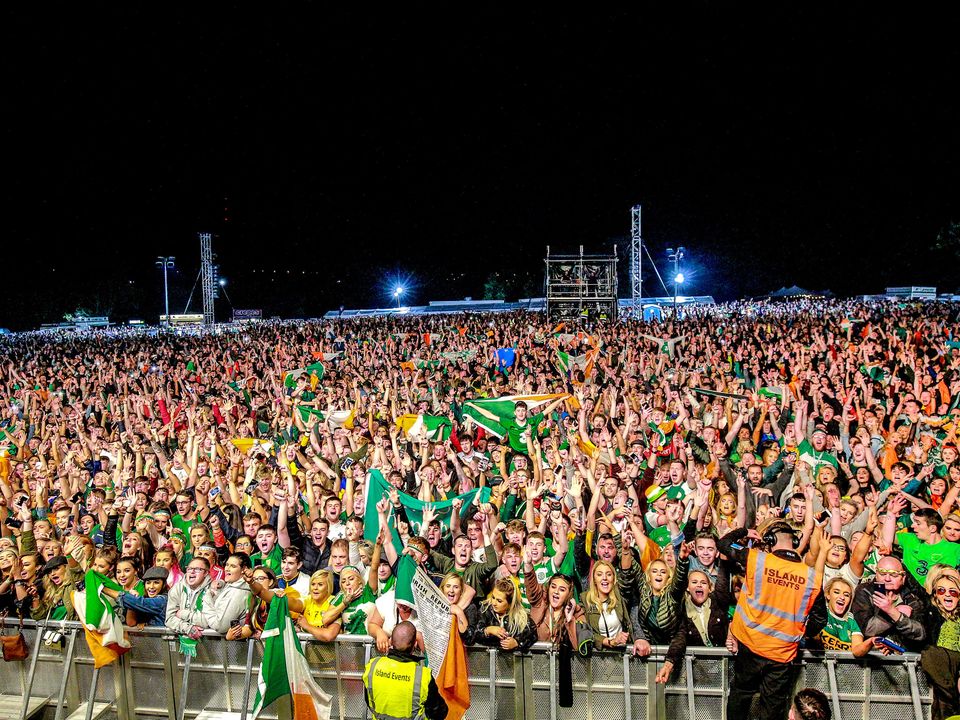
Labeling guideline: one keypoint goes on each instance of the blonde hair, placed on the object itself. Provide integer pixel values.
(648, 574)
(516, 615)
(453, 576)
(942, 572)
(591, 597)
(326, 577)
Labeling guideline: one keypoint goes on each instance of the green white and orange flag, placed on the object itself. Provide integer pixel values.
(314, 370)
(101, 625)
(435, 427)
(488, 413)
(284, 670)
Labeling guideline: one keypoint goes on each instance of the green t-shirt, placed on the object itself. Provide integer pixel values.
(354, 617)
(270, 560)
(838, 632)
(518, 434)
(919, 557)
(815, 459)
(184, 525)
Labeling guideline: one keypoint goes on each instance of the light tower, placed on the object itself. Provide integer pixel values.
(206, 276)
(166, 263)
(636, 259)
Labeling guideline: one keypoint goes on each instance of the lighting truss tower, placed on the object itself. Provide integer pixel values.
(206, 276)
(636, 258)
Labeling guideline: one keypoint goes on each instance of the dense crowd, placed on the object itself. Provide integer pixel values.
(613, 505)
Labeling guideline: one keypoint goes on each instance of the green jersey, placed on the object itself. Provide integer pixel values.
(919, 557)
(838, 633)
(354, 617)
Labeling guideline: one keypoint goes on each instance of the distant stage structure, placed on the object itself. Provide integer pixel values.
(581, 286)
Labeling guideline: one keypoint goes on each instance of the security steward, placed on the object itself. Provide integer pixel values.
(780, 602)
(397, 686)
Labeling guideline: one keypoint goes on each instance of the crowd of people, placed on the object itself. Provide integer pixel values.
(650, 484)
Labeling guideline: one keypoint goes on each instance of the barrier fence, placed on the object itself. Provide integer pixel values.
(57, 681)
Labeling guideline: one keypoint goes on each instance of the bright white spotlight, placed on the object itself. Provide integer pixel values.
(223, 282)
(679, 278)
(398, 292)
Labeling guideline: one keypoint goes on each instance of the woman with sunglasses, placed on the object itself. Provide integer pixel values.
(941, 659)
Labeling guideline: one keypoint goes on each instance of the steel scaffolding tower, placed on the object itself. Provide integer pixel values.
(636, 258)
(581, 286)
(206, 276)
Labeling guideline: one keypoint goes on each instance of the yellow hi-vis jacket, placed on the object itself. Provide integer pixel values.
(774, 603)
(397, 690)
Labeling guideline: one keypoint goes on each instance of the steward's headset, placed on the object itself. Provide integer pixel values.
(770, 534)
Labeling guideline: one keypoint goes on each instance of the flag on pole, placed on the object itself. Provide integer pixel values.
(104, 631)
(446, 656)
(284, 670)
(435, 427)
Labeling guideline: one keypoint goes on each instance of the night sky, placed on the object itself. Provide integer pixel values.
(333, 152)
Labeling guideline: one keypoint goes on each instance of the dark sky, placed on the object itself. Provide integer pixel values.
(796, 146)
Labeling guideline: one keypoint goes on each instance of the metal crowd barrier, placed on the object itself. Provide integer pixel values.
(153, 680)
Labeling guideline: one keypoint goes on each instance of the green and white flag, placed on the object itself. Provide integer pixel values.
(492, 414)
(460, 355)
(284, 670)
(378, 488)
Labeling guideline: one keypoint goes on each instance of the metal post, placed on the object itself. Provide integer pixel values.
(914, 690)
(627, 707)
(552, 659)
(91, 696)
(691, 704)
(492, 654)
(247, 677)
(166, 293)
(33, 667)
(183, 687)
(67, 665)
(834, 688)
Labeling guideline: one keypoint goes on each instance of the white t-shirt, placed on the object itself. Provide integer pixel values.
(609, 623)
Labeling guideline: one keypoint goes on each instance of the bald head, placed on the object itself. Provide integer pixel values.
(403, 637)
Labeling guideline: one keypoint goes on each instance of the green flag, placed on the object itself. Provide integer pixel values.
(378, 487)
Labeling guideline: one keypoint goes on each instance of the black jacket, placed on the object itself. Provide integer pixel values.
(717, 625)
(525, 638)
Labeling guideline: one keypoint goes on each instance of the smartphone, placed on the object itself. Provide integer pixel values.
(237, 622)
(879, 587)
(214, 491)
(635, 458)
(628, 503)
(347, 463)
(558, 469)
(21, 501)
(257, 562)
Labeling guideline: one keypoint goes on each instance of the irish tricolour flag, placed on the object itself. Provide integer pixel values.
(435, 427)
(284, 670)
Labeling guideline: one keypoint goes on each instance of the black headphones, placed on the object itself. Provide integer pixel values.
(770, 534)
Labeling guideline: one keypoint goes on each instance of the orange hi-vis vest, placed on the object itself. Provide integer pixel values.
(774, 603)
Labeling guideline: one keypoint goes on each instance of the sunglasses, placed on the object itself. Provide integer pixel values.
(952, 592)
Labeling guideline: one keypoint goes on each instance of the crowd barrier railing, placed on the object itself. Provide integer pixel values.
(154, 680)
